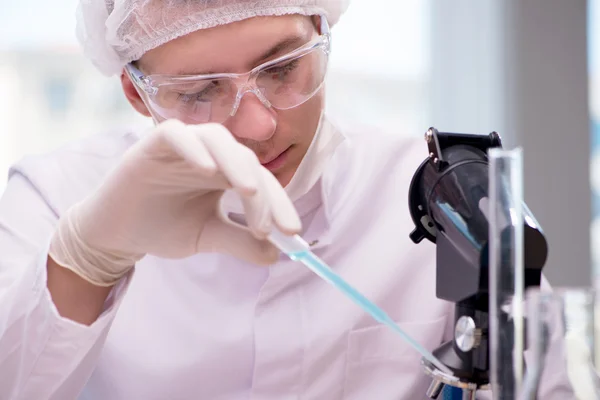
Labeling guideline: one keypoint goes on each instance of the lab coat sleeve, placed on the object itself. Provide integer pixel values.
(42, 355)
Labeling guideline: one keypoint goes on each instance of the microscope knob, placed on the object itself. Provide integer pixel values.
(466, 334)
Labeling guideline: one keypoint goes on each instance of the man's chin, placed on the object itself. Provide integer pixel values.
(284, 176)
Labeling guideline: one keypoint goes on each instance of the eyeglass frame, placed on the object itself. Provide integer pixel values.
(150, 83)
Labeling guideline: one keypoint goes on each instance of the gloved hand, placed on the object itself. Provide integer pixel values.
(163, 199)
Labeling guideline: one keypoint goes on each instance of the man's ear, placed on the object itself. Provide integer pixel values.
(132, 95)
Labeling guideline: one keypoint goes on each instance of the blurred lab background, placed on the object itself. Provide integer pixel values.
(529, 70)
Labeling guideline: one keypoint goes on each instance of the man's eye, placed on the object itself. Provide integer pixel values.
(198, 95)
(280, 71)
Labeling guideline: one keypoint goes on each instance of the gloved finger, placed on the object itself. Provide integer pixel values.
(237, 162)
(222, 236)
(257, 210)
(185, 143)
(255, 217)
(283, 212)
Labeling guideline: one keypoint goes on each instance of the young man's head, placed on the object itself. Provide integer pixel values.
(255, 67)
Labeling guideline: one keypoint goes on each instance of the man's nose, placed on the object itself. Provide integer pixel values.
(253, 120)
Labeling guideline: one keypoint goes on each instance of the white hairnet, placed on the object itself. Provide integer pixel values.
(116, 32)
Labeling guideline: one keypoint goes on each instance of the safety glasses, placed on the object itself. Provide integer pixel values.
(282, 83)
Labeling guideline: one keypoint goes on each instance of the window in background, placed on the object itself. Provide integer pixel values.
(594, 70)
(52, 94)
(379, 68)
(58, 92)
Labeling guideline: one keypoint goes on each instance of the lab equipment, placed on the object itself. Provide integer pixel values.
(575, 309)
(298, 250)
(538, 340)
(449, 202)
(506, 271)
(113, 34)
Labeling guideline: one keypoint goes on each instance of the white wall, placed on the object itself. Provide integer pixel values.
(379, 67)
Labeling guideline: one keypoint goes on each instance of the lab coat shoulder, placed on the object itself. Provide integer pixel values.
(377, 148)
(69, 173)
(365, 198)
(372, 166)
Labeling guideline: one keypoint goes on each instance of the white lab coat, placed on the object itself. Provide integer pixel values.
(213, 327)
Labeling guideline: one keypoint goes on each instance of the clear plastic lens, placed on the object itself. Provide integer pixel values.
(284, 85)
(195, 102)
(292, 82)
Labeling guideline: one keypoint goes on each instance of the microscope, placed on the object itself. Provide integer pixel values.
(445, 202)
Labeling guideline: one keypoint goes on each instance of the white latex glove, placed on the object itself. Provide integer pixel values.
(163, 199)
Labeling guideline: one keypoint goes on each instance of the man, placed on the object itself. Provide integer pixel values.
(125, 271)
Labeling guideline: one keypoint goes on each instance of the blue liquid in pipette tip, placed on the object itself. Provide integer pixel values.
(315, 264)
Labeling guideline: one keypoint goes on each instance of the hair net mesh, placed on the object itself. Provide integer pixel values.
(116, 32)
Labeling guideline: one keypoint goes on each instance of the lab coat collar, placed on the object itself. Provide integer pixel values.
(311, 168)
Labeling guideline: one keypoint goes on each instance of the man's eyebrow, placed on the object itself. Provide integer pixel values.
(287, 44)
(186, 72)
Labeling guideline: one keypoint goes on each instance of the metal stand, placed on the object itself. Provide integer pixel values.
(447, 198)
(440, 379)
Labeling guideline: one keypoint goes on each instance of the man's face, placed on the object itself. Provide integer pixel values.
(280, 138)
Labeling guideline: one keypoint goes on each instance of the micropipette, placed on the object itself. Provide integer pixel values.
(298, 250)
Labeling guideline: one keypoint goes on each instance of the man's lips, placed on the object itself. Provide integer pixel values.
(277, 162)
